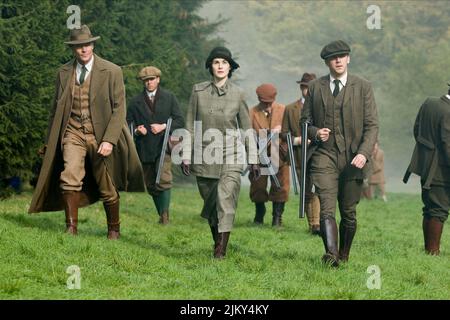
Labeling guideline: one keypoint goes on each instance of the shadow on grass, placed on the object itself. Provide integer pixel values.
(28, 221)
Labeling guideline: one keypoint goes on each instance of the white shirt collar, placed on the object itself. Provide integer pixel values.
(151, 94)
(87, 65)
(448, 96)
(343, 79)
(302, 100)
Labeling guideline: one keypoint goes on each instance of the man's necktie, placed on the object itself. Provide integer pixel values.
(83, 74)
(336, 87)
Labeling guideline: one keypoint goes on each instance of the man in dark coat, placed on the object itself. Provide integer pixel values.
(431, 161)
(344, 125)
(149, 112)
(89, 153)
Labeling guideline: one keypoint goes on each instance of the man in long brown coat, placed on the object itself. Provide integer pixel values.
(89, 153)
(291, 123)
(431, 161)
(268, 115)
(344, 125)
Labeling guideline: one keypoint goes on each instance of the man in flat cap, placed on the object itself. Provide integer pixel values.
(341, 110)
(268, 116)
(431, 161)
(291, 123)
(89, 152)
(148, 112)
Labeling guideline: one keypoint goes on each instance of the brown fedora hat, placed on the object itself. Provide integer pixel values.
(307, 77)
(81, 36)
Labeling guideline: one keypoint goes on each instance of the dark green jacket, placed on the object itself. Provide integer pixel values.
(431, 156)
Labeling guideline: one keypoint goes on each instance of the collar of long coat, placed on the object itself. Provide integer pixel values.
(325, 85)
(260, 121)
(447, 100)
(96, 76)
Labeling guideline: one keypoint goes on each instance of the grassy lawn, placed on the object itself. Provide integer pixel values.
(151, 261)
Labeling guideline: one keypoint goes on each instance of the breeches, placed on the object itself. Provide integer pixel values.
(436, 202)
(77, 149)
(150, 172)
(258, 188)
(220, 198)
(309, 195)
(333, 177)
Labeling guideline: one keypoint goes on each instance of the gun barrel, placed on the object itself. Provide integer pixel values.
(303, 169)
(131, 126)
(292, 160)
(163, 150)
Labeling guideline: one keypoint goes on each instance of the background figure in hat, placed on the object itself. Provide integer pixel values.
(148, 112)
(376, 179)
(431, 161)
(291, 123)
(268, 116)
(344, 127)
(220, 105)
(89, 152)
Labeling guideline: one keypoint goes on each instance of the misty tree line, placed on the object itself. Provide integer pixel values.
(134, 34)
(406, 60)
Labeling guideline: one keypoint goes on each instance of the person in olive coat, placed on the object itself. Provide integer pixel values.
(344, 127)
(147, 114)
(218, 106)
(431, 161)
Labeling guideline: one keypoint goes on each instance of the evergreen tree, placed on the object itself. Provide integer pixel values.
(134, 34)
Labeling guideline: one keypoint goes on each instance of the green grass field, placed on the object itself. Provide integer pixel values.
(151, 261)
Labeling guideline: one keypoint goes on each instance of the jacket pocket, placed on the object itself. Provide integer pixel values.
(425, 142)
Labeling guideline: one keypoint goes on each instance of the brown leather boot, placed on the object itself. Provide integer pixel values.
(432, 231)
(71, 199)
(278, 209)
(220, 249)
(112, 218)
(164, 218)
(260, 211)
(328, 230)
(346, 235)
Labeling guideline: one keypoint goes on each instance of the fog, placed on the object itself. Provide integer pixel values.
(245, 43)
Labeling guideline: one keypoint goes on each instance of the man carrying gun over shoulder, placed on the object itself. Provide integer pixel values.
(268, 115)
(148, 115)
(291, 123)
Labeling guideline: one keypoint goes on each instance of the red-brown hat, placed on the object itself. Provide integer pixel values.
(307, 77)
(266, 92)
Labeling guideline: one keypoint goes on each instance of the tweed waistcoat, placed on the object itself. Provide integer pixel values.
(334, 121)
(80, 117)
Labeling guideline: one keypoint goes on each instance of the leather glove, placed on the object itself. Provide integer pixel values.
(185, 168)
(255, 172)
